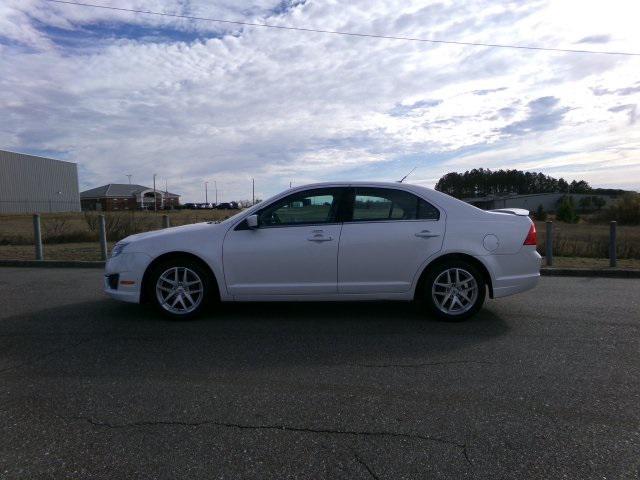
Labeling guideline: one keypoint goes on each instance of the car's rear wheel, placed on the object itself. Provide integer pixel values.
(180, 288)
(454, 290)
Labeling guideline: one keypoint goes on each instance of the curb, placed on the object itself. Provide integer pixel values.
(51, 263)
(590, 272)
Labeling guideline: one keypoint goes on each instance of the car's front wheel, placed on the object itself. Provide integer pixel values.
(454, 290)
(179, 288)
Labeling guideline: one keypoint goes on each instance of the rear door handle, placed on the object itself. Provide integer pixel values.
(318, 236)
(426, 234)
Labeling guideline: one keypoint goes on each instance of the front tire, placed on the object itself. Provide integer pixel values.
(454, 290)
(180, 288)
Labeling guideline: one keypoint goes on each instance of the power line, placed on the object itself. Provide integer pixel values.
(350, 34)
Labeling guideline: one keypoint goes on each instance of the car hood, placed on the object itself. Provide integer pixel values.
(171, 232)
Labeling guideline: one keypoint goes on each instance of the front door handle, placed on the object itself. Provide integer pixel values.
(318, 236)
(427, 234)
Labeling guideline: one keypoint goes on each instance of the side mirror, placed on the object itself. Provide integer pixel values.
(252, 221)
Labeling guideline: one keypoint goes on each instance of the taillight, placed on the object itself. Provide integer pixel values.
(532, 236)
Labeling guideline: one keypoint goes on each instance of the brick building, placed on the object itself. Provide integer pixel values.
(124, 196)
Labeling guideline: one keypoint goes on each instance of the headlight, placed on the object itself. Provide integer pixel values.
(118, 248)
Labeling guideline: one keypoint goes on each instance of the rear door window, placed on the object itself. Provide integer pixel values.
(377, 204)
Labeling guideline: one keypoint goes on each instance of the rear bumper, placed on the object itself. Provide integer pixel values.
(515, 273)
(515, 285)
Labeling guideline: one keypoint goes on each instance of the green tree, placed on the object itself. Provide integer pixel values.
(585, 203)
(483, 182)
(567, 210)
(626, 210)
(541, 214)
(579, 187)
(599, 202)
(563, 186)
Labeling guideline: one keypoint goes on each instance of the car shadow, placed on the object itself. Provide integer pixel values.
(100, 337)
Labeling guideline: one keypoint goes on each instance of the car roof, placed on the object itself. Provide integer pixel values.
(397, 185)
(354, 183)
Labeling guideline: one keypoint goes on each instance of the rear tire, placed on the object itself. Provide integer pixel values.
(179, 288)
(454, 290)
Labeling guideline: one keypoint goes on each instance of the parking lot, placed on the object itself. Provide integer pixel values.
(541, 385)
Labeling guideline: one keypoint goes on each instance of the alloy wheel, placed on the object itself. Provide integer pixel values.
(454, 291)
(179, 290)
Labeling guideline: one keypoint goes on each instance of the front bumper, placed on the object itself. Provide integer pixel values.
(123, 276)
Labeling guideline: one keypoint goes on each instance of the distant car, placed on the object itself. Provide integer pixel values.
(334, 241)
(227, 206)
(190, 206)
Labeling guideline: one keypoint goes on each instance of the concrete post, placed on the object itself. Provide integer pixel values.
(549, 244)
(103, 237)
(37, 236)
(166, 223)
(613, 260)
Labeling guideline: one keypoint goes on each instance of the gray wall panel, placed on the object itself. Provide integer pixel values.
(549, 201)
(31, 184)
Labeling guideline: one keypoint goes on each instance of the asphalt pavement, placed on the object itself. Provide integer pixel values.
(545, 384)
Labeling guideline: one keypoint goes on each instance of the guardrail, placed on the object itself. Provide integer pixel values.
(102, 235)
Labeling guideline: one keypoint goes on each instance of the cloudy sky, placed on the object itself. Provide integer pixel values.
(122, 93)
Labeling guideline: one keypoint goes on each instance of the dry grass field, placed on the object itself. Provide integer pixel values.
(85, 251)
(83, 227)
(74, 235)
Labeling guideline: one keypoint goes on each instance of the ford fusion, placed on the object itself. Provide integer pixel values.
(334, 241)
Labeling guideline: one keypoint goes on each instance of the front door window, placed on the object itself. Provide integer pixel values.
(311, 207)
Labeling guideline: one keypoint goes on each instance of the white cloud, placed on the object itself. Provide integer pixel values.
(126, 93)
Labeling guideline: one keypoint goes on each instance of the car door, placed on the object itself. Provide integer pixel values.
(388, 235)
(293, 251)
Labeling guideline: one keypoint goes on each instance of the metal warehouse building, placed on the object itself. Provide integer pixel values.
(30, 184)
(531, 202)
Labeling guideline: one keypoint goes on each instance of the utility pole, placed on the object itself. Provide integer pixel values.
(155, 203)
(215, 184)
(129, 177)
(253, 191)
(206, 192)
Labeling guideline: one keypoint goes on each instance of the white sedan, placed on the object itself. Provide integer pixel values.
(334, 241)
